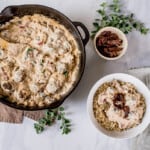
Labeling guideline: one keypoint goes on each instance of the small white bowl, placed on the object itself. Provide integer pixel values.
(129, 133)
(120, 34)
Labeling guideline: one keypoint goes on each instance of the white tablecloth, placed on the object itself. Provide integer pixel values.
(83, 136)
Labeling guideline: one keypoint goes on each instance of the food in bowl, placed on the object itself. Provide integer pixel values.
(110, 43)
(39, 60)
(118, 105)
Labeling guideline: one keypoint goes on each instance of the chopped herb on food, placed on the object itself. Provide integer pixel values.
(65, 73)
(51, 116)
(29, 50)
(112, 15)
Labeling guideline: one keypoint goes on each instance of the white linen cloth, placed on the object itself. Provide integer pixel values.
(140, 73)
(142, 141)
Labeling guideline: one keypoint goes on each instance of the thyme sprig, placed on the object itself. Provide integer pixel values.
(112, 15)
(51, 116)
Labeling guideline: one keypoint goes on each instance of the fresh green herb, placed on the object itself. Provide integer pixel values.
(112, 15)
(65, 73)
(39, 128)
(29, 50)
(51, 116)
(65, 126)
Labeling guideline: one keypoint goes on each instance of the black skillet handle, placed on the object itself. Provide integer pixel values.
(4, 19)
(6, 14)
(85, 30)
(9, 11)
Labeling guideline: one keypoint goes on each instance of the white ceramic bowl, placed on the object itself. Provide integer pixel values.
(141, 87)
(120, 34)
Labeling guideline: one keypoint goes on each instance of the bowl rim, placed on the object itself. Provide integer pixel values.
(118, 32)
(129, 133)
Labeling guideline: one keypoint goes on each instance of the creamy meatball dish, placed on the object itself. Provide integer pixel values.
(118, 105)
(39, 60)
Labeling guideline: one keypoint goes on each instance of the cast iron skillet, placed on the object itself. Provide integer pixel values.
(21, 10)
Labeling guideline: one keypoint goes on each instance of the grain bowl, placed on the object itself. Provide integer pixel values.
(118, 106)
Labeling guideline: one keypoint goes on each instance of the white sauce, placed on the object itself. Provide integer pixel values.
(131, 100)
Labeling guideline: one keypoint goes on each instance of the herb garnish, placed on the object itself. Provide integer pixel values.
(29, 50)
(50, 118)
(112, 15)
(65, 73)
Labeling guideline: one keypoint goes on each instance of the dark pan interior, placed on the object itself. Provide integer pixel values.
(22, 10)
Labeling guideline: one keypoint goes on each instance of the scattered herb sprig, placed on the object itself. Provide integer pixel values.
(112, 15)
(51, 116)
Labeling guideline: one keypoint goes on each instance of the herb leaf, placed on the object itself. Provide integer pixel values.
(50, 117)
(65, 73)
(29, 50)
(112, 15)
(39, 128)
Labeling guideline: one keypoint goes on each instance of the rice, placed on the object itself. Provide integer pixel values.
(102, 106)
